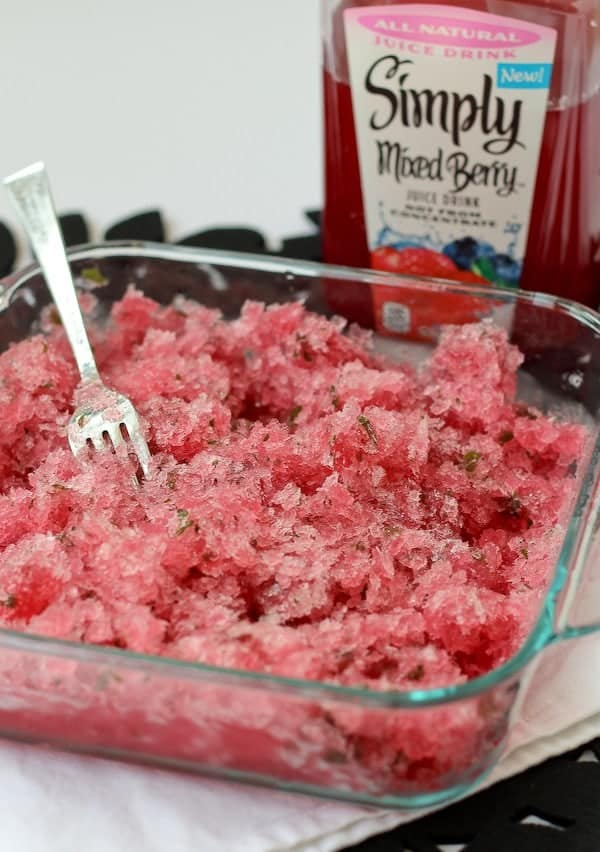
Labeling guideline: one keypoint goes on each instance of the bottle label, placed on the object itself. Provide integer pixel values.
(449, 108)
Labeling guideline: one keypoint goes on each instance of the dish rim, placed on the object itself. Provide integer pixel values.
(570, 560)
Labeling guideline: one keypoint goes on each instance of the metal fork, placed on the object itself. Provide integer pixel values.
(103, 416)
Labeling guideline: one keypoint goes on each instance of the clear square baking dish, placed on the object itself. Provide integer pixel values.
(377, 747)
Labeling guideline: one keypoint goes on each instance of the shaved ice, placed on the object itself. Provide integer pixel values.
(315, 510)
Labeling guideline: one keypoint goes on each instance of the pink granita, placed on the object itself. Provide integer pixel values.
(315, 510)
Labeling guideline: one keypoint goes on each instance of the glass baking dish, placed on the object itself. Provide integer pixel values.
(381, 748)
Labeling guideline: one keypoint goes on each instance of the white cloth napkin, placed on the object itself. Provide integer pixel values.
(54, 802)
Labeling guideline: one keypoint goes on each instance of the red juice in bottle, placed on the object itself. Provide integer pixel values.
(464, 144)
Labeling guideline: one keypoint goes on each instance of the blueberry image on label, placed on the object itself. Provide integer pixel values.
(467, 251)
(501, 269)
(507, 270)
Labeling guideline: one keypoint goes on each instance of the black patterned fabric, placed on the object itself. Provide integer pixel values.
(74, 229)
(554, 807)
(149, 226)
(143, 226)
(229, 239)
(8, 250)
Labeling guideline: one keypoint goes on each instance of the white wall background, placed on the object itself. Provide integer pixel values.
(208, 109)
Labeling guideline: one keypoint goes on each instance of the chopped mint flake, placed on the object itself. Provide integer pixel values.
(417, 673)
(294, 414)
(470, 460)
(335, 756)
(335, 400)
(185, 522)
(93, 275)
(368, 427)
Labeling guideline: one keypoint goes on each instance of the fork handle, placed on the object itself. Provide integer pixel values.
(30, 193)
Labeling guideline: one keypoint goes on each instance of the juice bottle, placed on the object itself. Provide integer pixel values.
(462, 143)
